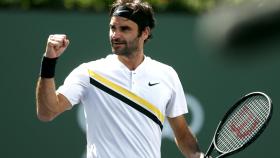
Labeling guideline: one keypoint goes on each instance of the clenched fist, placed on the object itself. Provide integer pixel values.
(56, 45)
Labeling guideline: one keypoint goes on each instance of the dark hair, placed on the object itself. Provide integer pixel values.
(141, 11)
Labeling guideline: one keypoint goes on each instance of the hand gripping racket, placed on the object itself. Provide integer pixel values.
(241, 125)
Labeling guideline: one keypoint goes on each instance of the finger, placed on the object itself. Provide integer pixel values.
(66, 42)
(57, 40)
(60, 35)
(55, 44)
(57, 37)
(59, 44)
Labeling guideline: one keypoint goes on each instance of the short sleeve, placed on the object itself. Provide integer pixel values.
(75, 84)
(177, 105)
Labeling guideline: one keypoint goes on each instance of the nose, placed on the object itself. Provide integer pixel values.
(115, 34)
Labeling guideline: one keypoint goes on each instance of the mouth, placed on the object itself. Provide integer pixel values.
(117, 44)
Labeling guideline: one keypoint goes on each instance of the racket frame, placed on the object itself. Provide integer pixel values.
(213, 143)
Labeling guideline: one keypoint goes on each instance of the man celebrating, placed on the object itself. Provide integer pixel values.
(126, 95)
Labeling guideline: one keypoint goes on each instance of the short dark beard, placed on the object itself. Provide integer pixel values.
(128, 51)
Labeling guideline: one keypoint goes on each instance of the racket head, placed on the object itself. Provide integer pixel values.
(243, 123)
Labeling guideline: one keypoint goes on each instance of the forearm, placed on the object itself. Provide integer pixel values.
(188, 145)
(185, 140)
(48, 103)
(46, 99)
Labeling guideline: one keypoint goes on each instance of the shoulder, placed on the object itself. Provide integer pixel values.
(165, 73)
(161, 67)
(106, 61)
(92, 65)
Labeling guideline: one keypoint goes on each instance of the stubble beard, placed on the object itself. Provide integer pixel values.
(127, 49)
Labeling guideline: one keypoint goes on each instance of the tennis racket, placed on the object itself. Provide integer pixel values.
(241, 125)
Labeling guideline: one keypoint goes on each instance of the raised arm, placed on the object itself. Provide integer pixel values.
(48, 103)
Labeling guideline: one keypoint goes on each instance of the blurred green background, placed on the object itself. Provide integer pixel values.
(216, 77)
(101, 5)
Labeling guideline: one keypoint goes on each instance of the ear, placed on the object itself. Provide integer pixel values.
(146, 32)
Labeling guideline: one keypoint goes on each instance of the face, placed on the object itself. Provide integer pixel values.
(124, 37)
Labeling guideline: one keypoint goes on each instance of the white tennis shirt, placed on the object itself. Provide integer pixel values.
(125, 109)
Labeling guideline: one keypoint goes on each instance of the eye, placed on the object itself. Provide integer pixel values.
(125, 28)
(112, 27)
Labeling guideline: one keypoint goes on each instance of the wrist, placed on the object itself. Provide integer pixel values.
(50, 54)
(48, 67)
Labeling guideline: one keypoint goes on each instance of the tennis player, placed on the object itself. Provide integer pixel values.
(126, 95)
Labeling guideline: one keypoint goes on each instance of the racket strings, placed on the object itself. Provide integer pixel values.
(243, 123)
(229, 135)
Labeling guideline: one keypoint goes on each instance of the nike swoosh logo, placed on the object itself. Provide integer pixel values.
(121, 11)
(152, 84)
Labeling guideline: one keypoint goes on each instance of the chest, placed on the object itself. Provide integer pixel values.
(147, 86)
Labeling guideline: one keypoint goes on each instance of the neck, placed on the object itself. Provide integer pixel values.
(132, 61)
